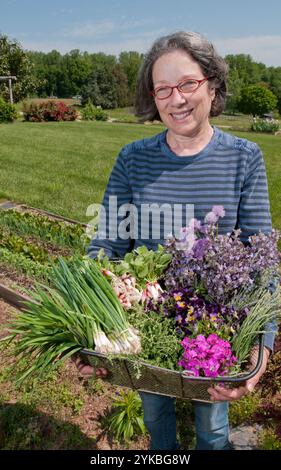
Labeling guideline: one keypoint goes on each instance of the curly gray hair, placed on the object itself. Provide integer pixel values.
(201, 50)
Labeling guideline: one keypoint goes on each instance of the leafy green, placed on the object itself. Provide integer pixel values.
(145, 265)
(127, 418)
(58, 232)
(159, 340)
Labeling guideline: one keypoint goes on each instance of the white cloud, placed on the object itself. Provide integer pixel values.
(105, 27)
(90, 30)
(266, 49)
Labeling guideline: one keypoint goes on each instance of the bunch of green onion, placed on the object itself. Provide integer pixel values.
(81, 310)
(264, 310)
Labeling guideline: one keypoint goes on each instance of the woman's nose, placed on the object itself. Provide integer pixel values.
(177, 97)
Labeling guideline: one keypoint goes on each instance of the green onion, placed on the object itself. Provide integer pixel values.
(81, 310)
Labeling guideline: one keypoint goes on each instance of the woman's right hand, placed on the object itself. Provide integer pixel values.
(88, 371)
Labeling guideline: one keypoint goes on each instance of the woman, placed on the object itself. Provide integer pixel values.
(192, 164)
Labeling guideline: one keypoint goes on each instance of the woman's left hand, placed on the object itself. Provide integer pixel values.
(219, 393)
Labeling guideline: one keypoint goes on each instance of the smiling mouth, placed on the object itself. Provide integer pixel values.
(182, 115)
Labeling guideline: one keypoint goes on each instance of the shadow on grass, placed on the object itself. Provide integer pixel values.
(22, 427)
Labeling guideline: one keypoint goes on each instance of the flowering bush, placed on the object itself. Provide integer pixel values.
(49, 111)
(265, 125)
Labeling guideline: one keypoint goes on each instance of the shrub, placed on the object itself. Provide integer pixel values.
(49, 111)
(93, 113)
(127, 419)
(243, 410)
(7, 111)
(265, 125)
(256, 100)
(100, 115)
(271, 380)
(269, 440)
(88, 113)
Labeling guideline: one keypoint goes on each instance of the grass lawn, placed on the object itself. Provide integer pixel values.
(64, 167)
(228, 122)
(271, 148)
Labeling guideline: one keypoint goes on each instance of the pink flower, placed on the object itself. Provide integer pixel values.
(218, 211)
(194, 225)
(211, 218)
(208, 357)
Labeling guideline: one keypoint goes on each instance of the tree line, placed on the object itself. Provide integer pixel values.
(109, 81)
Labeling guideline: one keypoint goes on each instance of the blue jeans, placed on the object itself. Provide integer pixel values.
(211, 423)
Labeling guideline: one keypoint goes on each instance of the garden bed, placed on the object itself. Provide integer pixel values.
(31, 240)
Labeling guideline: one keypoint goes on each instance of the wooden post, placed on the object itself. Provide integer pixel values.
(11, 91)
(9, 79)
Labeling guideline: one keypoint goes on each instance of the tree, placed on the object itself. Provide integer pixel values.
(75, 70)
(122, 89)
(275, 84)
(243, 71)
(257, 100)
(234, 86)
(101, 87)
(15, 61)
(49, 71)
(248, 71)
(131, 62)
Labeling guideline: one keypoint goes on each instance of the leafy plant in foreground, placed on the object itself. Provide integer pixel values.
(127, 418)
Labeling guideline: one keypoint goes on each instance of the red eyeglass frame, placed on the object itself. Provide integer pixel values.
(200, 82)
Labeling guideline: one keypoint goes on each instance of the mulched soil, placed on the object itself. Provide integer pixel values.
(9, 277)
(5, 314)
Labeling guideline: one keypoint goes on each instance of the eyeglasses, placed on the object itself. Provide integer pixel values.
(187, 86)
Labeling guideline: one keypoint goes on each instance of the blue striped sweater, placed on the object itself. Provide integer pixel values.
(229, 171)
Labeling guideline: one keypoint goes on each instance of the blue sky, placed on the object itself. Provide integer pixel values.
(239, 26)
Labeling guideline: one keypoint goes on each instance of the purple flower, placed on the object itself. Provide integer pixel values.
(200, 247)
(222, 263)
(194, 225)
(218, 211)
(211, 218)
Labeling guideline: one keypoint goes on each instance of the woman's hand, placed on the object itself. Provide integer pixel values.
(219, 393)
(88, 371)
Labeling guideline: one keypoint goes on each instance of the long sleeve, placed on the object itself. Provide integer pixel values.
(254, 211)
(254, 216)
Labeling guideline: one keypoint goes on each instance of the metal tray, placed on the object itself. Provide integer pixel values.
(160, 381)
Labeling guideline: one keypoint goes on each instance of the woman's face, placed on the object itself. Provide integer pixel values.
(185, 114)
